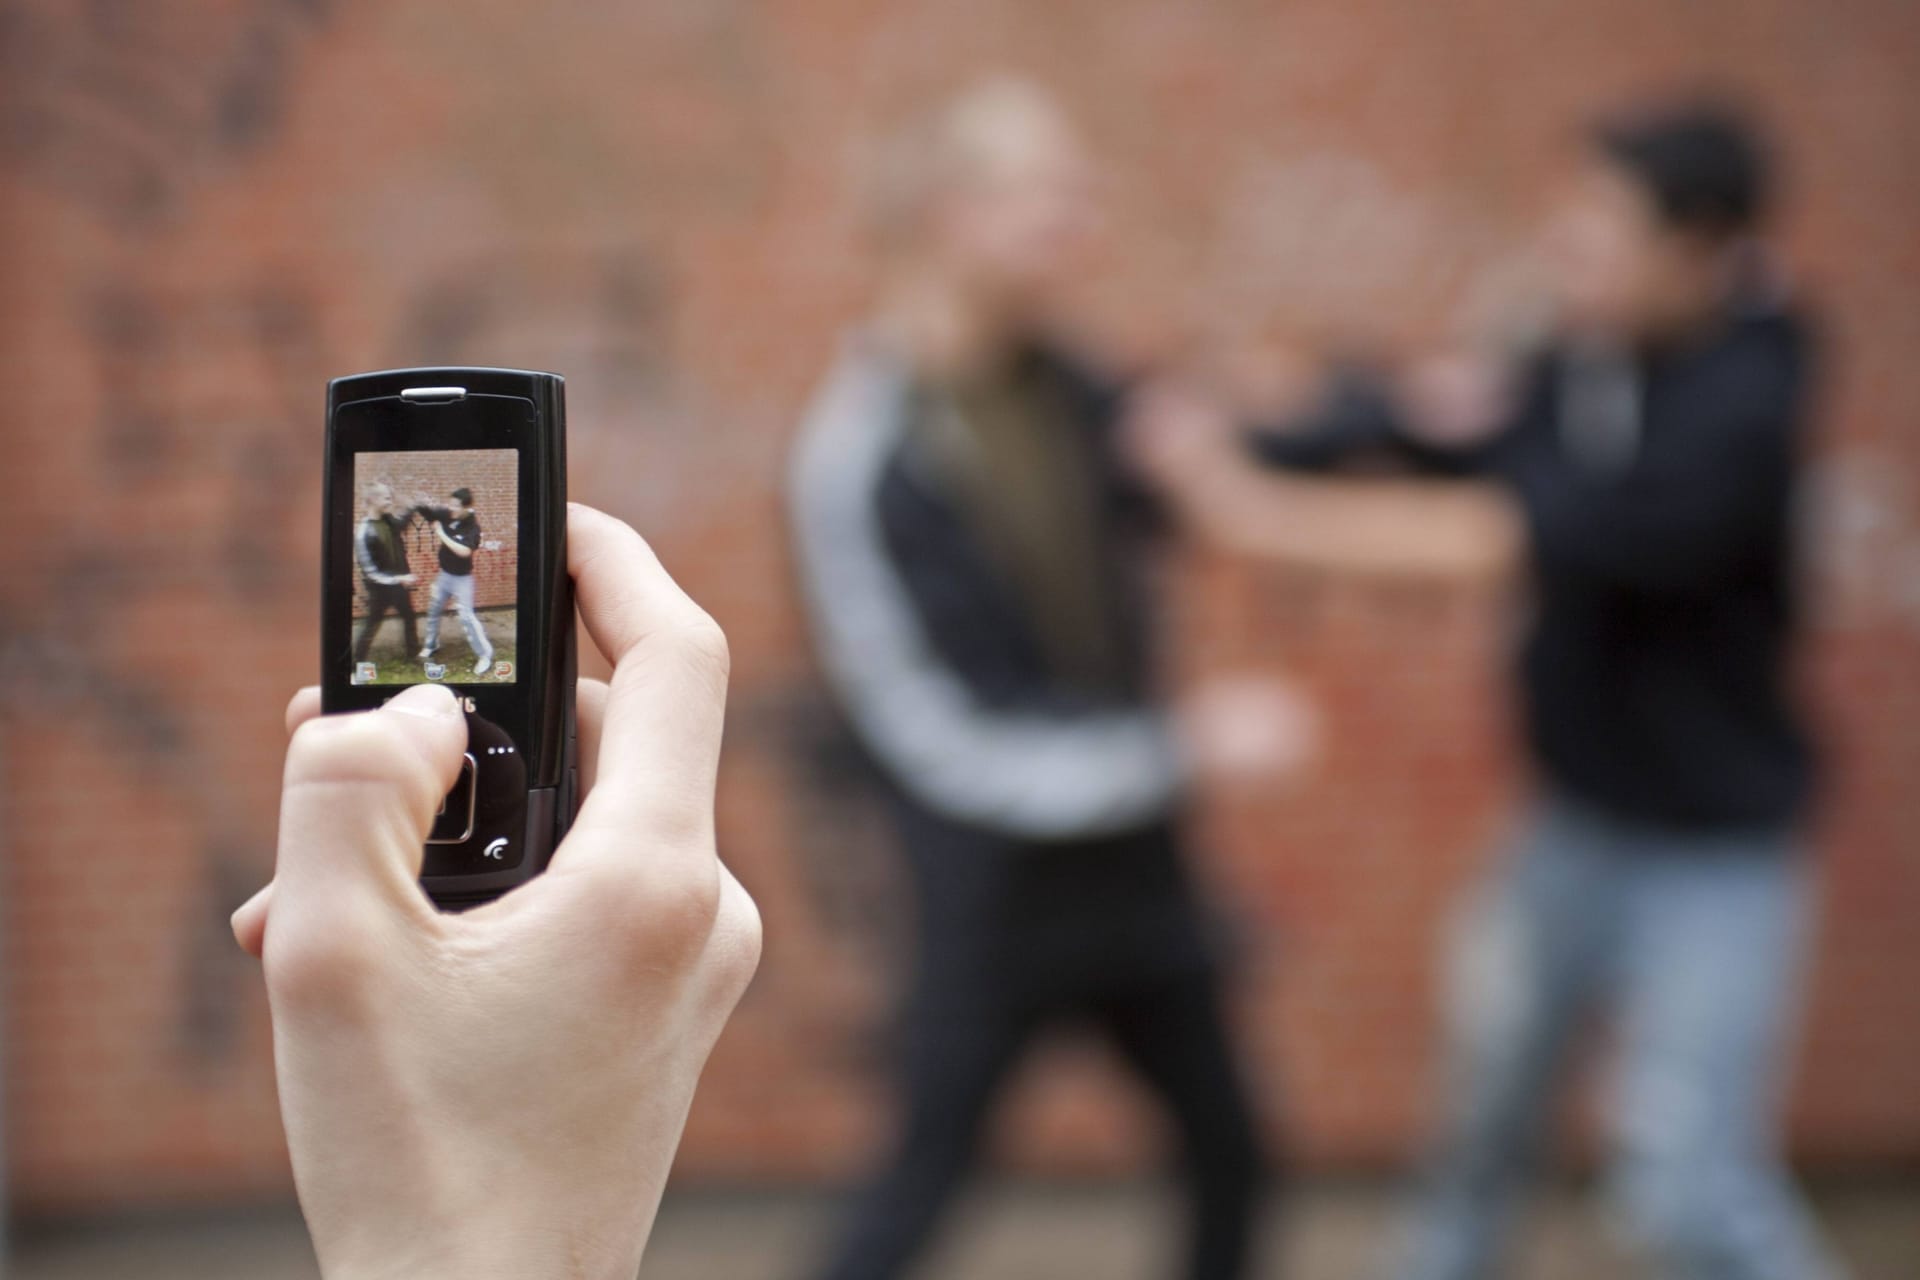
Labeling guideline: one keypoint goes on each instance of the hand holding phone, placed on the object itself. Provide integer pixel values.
(482, 452)
(499, 1093)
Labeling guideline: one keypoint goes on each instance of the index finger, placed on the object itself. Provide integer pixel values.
(666, 702)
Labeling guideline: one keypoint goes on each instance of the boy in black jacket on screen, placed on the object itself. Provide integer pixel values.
(457, 531)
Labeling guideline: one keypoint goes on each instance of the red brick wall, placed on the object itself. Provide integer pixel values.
(214, 205)
(492, 476)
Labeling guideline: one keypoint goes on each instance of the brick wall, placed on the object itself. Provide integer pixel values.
(492, 476)
(211, 207)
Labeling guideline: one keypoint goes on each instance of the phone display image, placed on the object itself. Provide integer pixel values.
(444, 560)
(435, 566)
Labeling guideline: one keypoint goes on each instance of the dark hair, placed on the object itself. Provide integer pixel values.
(1704, 164)
(465, 496)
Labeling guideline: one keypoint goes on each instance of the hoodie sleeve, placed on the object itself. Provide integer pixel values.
(1357, 417)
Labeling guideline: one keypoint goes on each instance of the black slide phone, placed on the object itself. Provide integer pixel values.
(445, 560)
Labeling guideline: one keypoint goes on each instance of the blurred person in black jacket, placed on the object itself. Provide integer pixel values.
(1649, 449)
(972, 558)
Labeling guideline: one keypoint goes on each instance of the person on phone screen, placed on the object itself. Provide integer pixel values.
(380, 549)
(457, 529)
(974, 560)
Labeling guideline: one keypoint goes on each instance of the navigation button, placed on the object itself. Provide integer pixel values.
(453, 822)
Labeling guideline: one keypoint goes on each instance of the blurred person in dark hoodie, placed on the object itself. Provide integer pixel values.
(1649, 448)
(972, 555)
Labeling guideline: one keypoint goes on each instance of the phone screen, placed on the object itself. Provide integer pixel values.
(436, 567)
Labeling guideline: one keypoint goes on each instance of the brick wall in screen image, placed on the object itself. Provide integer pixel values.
(493, 477)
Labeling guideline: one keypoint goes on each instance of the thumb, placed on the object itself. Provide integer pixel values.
(358, 798)
(250, 921)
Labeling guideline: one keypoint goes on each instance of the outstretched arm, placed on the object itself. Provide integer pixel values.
(1251, 493)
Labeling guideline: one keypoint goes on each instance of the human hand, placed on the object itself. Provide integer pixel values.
(408, 579)
(499, 1093)
(1247, 728)
(1455, 399)
(1173, 428)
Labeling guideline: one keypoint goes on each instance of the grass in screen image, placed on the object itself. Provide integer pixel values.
(393, 665)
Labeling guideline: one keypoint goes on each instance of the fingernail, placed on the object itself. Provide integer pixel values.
(428, 701)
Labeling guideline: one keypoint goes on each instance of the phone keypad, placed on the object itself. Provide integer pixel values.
(482, 824)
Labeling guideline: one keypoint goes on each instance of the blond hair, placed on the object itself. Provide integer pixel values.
(957, 142)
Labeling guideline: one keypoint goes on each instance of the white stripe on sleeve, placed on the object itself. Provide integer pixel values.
(1030, 775)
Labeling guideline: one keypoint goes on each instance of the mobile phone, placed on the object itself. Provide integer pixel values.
(445, 561)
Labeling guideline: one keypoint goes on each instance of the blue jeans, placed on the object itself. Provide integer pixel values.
(1695, 942)
(459, 588)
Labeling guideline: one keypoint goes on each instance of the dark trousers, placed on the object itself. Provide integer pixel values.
(961, 1048)
(382, 599)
